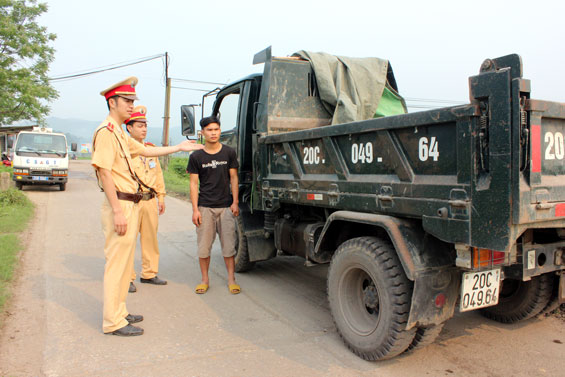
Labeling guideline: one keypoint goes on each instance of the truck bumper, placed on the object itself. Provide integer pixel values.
(39, 180)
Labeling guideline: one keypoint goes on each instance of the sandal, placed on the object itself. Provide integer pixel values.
(201, 288)
(234, 289)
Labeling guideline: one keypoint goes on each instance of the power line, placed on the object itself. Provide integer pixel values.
(199, 82)
(195, 89)
(113, 64)
(110, 67)
(433, 100)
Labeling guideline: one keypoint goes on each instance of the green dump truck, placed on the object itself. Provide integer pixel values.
(419, 215)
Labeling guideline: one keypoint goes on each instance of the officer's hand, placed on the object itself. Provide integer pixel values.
(190, 145)
(235, 209)
(196, 218)
(120, 224)
(161, 208)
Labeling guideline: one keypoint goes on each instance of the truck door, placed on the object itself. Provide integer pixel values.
(234, 108)
(226, 108)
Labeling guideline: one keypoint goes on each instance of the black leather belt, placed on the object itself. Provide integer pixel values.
(129, 197)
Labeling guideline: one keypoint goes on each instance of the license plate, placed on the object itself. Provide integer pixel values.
(40, 178)
(479, 289)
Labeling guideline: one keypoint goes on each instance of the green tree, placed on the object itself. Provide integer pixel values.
(25, 55)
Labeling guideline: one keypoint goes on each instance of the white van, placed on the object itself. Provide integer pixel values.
(41, 157)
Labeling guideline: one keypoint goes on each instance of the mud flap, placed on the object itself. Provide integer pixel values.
(427, 308)
(258, 247)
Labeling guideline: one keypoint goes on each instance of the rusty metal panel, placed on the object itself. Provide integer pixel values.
(293, 101)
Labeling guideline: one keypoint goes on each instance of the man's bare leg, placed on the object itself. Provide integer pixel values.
(204, 266)
(230, 266)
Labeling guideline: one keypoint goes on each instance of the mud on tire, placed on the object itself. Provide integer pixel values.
(369, 297)
(553, 303)
(521, 300)
(425, 336)
(242, 262)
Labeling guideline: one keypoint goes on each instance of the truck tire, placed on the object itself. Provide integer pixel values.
(425, 336)
(554, 299)
(62, 186)
(19, 185)
(369, 297)
(242, 262)
(521, 300)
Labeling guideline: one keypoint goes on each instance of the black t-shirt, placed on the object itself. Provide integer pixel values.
(213, 173)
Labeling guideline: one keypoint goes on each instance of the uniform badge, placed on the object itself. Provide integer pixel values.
(152, 164)
(110, 127)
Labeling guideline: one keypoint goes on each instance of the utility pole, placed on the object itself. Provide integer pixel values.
(166, 117)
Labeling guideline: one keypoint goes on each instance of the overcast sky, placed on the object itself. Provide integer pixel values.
(433, 46)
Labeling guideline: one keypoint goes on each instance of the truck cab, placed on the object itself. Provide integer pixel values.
(41, 158)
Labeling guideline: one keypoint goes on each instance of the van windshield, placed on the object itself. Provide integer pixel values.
(41, 144)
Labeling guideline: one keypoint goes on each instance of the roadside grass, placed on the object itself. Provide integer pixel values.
(177, 180)
(8, 169)
(15, 212)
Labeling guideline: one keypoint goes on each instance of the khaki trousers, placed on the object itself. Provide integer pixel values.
(148, 226)
(216, 220)
(118, 251)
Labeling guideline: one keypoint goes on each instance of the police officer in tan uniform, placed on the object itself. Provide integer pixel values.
(148, 169)
(112, 160)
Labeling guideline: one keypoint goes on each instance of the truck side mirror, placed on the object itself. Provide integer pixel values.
(74, 147)
(187, 120)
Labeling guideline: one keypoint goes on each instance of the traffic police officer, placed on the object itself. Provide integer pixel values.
(148, 169)
(112, 152)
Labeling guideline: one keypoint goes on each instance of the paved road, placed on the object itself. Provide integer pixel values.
(279, 325)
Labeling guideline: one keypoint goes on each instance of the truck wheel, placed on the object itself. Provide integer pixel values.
(520, 300)
(242, 262)
(369, 298)
(425, 336)
(19, 185)
(62, 186)
(554, 299)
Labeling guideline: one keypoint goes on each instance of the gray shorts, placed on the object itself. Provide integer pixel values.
(216, 220)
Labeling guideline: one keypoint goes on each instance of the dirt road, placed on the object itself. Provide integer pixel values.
(280, 325)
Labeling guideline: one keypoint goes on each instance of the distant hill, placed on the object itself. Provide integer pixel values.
(80, 131)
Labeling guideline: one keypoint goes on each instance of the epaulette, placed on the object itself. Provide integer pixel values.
(148, 144)
(110, 127)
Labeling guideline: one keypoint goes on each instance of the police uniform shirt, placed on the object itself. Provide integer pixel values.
(112, 149)
(148, 169)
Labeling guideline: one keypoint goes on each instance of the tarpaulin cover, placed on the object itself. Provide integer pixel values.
(354, 89)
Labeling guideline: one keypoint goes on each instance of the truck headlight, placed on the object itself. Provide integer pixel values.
(21, 171)
(60, 173)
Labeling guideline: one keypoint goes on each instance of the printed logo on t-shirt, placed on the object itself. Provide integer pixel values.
(214, 164)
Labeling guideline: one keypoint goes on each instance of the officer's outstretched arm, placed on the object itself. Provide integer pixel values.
(185, 146)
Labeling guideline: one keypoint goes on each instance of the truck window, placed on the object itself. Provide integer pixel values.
(41, 144)
(228, 111)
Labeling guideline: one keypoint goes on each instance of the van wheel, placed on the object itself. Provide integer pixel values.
(521, 300)
(62, 186)
(425, 336)
(242, 262)
(369, 297)
(19, 185)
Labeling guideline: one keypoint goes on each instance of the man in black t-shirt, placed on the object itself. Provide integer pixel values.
(213, 206)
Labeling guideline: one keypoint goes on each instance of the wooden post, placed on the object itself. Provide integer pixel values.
(166, 117)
